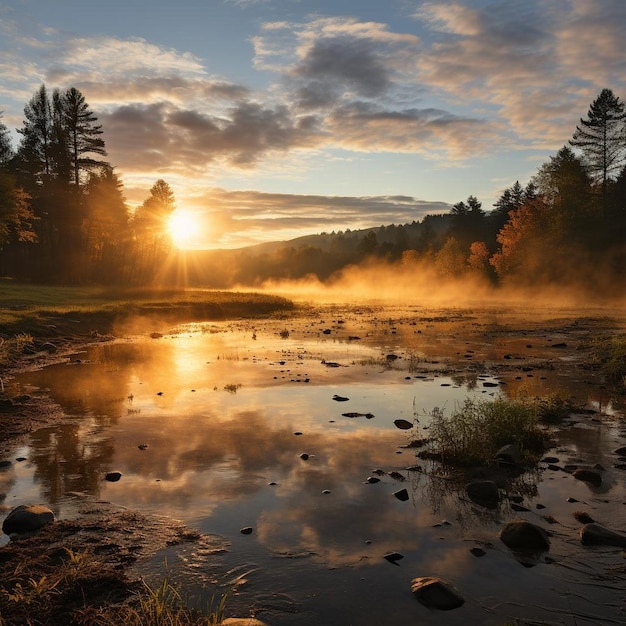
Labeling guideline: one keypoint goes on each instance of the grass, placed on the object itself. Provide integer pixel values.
(38, 311)
(610, 355)
(477, 429)
(78, 589)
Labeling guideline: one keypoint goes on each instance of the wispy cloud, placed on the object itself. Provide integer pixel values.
(234, 217)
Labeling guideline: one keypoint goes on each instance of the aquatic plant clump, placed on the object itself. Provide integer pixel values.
(476, 430)
(610, 353)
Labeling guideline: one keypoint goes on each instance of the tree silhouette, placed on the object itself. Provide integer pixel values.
(600, 137)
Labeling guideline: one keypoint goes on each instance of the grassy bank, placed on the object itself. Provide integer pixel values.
(35, 311)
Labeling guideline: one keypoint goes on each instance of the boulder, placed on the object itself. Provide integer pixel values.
(436, 593)
(402, 495)
(590, 476)
(483, 492)
(27, 518)
(523, 536)
(509, 454)
(597, 535)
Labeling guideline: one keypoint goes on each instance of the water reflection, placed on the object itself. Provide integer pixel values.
(203, 426)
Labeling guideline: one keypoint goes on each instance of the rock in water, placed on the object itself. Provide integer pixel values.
(589, 476)
(483, 492)
(402, 495)
(522, 536)
(597, 535)
(509, 454)
(403, 424)
(436, 593)
(113, 477)
(27, 518)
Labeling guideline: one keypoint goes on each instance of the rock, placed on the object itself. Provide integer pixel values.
(393, 557)
(372, 479)
(246, 531)
(337, 398)
(397, 476)
(326, 492)
(550, 459)
(483, 492)
(27, 518)
(403, 424)
(477, 552)
(583, 517)
(509, 454)
(402, 495)
(589, 476)
(5, 463)
(522, 536)
(620, 451)
(113, 477)
(596, 535)
(436, 593)
(304, 456)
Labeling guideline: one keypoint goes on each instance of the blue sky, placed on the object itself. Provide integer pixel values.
(275, 118)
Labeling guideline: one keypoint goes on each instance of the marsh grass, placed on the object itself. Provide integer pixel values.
(45, 311)
(610, 355)
(78, 589)
(475, 430)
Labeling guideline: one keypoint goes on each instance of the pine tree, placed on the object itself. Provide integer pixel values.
(83, 134)
(600, 138)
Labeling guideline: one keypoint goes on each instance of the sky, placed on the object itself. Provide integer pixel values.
(272, 119)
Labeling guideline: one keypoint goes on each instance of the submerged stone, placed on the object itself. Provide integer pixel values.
(436, 593)
(588, 476)
(595, 534)
(27, 518)
(523, 536)
(483, 492)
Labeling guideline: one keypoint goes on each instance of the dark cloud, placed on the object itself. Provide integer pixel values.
(336, 64)
(155, 135)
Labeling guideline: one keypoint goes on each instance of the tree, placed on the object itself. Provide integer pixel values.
(16, 216)
(6, 150)
(82, 134)
(565, 187)
(35, 150)
(105, 225)
(600, 138)
(150, 226)
(468, 220)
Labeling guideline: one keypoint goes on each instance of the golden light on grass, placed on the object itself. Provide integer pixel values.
(184, 227)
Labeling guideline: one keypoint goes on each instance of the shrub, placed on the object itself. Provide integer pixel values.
(477, 429)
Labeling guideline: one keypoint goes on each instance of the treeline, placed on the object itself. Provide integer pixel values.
(63, 215)
(567, 225)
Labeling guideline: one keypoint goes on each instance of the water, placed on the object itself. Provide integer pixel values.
(209, 424)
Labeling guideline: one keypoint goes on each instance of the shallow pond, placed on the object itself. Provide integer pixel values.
(276, 427)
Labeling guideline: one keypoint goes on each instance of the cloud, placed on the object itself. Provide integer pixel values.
(165, 136)
(535, 63)
(237, 218)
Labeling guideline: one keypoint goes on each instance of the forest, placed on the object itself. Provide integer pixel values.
(64, 218)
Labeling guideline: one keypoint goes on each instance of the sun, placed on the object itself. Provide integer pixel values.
(183, 227)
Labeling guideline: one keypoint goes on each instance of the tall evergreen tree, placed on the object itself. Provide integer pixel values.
(34, 154)
(600, 137)
(83, 134)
